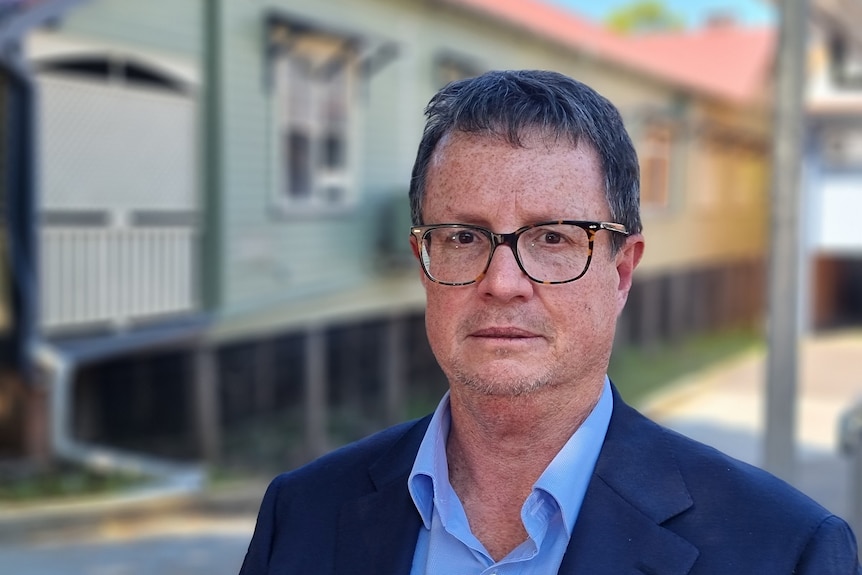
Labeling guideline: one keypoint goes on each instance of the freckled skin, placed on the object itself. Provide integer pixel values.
(484, 180)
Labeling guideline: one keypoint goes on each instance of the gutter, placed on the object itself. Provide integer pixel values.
(60, 367)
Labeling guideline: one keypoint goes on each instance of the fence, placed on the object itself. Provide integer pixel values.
(115, 275)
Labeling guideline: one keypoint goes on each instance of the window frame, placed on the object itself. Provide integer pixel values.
(327, 57)
(657, 149)
(450, 66)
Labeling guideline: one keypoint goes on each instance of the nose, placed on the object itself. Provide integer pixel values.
(504, 278)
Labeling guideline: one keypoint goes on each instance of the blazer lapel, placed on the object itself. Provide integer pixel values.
(377, 531)
(636, 487)
(613, 537)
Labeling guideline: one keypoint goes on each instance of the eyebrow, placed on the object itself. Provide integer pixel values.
(483, 222)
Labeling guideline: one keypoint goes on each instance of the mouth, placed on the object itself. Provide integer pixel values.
(513, 333)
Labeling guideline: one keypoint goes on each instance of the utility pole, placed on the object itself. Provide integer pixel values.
(783, 292)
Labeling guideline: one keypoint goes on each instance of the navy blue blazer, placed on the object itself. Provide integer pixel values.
(658, 503)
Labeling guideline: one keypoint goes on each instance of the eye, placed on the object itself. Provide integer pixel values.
(464, 237)
(555, 237)
(551, 238)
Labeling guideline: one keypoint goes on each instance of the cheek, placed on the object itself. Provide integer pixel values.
(582, 321)
(440, 317)
(586, 312)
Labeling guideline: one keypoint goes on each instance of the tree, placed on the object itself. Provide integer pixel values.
(644, 16)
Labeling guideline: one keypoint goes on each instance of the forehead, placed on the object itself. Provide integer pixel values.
(473, 176)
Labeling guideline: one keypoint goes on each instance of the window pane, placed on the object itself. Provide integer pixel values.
(93, 67)
(299, 101)
(451, 67)
(298, 146)
(332, 156)
(334, 109)
(655, 169)
(841, 148)
(333, 194)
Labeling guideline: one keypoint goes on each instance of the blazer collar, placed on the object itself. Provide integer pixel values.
(636, 487)
(377, 531)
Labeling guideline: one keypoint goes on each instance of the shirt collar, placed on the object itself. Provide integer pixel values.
(565, 479)
(568, 475)
(430, 472)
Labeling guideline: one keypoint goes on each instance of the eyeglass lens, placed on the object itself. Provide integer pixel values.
(547, 253)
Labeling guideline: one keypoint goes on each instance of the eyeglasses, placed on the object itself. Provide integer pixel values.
(553, 252)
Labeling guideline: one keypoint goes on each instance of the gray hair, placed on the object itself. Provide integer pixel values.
(508, 104)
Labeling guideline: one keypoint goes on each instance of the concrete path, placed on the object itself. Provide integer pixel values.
(127, 535)
(723, 406)
(166, 546)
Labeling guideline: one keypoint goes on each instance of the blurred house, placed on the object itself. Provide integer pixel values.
(220, 199)
(832, 198)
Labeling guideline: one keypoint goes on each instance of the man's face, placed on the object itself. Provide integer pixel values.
(506, 335)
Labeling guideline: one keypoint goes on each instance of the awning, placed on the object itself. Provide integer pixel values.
(284, 31)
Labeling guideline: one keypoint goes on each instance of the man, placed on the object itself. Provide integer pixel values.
(527, 230)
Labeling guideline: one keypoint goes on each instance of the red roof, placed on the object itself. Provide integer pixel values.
(724, 60)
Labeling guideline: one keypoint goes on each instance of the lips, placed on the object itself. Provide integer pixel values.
(504, 333)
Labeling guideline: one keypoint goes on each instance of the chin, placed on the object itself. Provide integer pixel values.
(503, 382)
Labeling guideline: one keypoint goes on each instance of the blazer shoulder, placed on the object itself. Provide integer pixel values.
(767, 519)
(389, 452)
(734, 513)
(711, 475)
(301, 508)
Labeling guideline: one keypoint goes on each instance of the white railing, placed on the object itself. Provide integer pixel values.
(115, 275)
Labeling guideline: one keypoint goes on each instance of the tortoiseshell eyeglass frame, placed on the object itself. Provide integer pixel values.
(511, 240)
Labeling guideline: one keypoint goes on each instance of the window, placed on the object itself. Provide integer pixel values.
(451, 67)
(705, 180)
(845, 62)
(731, 171)
(115, 70)
(842, 147)
(655, 167)
(747, 184)
(314, 84)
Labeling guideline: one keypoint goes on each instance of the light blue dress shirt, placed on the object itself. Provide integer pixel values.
(446, 546)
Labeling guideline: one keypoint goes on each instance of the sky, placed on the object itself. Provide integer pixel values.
(695, 12)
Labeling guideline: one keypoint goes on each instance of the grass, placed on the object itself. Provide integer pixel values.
(58, 482)
(640, 372)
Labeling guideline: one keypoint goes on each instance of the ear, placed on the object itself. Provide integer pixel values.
(414, 247)
(627, 259)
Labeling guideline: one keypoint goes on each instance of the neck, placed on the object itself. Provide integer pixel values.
(497, 448)
(521, 434)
